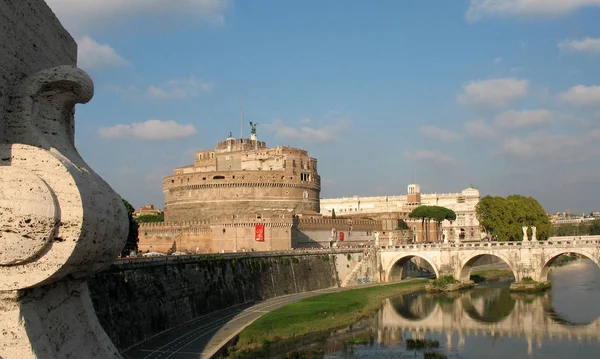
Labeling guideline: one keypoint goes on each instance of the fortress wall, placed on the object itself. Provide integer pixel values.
(225, 201)
(137, 299)
(200, 242)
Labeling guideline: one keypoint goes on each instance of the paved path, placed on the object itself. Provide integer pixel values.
(204, 336)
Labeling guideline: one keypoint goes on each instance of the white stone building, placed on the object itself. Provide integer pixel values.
(466, 226)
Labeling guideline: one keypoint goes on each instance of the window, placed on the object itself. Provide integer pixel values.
(212, 155)
(305, 195)
(219, 177)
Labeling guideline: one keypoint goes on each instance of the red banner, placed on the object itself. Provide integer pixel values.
(341, 236)
(259, 232)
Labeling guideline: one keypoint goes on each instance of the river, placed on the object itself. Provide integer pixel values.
(486, 322)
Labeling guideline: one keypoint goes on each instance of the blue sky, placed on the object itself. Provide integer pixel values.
(501, 94)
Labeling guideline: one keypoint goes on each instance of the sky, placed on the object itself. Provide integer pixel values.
(503, 95)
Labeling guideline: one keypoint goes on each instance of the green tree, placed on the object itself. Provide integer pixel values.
(503, 218)
(150, 218)
(583, 229)
(566, 229)
(436, 213)
(402, 225)
(333, 214)
(420, 212)
(594, 229)
(132, 236)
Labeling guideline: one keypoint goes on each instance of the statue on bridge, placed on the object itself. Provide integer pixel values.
(533, 234)
(525, 239)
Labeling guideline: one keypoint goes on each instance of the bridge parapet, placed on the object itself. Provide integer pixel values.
(525, 259)
(553, 242)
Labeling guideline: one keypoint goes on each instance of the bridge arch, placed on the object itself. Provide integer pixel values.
(404, 258)
(492, 309)
(553, 255)
(466, 265)
(413, 307)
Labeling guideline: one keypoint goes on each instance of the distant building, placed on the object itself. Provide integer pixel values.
(389, 209)
(147, 210)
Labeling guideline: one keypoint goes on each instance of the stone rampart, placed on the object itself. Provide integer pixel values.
(138, 298)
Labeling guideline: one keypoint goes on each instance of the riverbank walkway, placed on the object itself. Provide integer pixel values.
(206, 336)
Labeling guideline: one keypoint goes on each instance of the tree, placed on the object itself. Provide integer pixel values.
(132, 236)
(503, 218)
(420, 212)
(150, 218)
(333, 214)
(441, 214)
(583, 229)
(402, 225)
(436, 213)
(594, 229)
(567, 229)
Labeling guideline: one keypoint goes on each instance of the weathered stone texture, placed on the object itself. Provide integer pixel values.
(59, 221)
(135, 301)
(31, 39)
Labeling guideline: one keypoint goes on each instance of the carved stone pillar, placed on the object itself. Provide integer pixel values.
(59, 221)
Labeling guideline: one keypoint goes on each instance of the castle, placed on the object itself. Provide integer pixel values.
(245, 196)
(243, 178)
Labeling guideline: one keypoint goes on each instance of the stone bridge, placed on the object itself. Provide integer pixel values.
(525, 259)
(515, 315)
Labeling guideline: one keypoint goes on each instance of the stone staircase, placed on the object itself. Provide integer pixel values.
(357, 269)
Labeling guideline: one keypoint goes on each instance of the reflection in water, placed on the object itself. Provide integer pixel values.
(493, 323)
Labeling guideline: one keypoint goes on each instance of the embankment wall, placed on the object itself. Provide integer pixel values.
(136, 299)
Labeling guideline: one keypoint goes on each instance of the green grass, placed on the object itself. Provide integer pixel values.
(443, 281)
(318, 314)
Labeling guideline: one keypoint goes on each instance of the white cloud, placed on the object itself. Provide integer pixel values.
(430, 156)
(154, 130)
(92, 55)
(439, 133)
(581, 95)
(479, 9)
(563, 147)
(524, 119)
(81, 15)
(178, 89)
(479, 129)
(493, 93)
(589, 45)
(323, 134)
(498, 60)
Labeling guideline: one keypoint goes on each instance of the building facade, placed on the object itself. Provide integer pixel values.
(242, 178)
(391, 208)
(245, 196)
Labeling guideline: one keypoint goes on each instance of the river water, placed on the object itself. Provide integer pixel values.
(486, 322)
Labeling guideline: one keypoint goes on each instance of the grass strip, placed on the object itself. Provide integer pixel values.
(320, 313)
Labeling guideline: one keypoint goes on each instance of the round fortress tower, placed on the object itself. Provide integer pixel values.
(242, 178)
